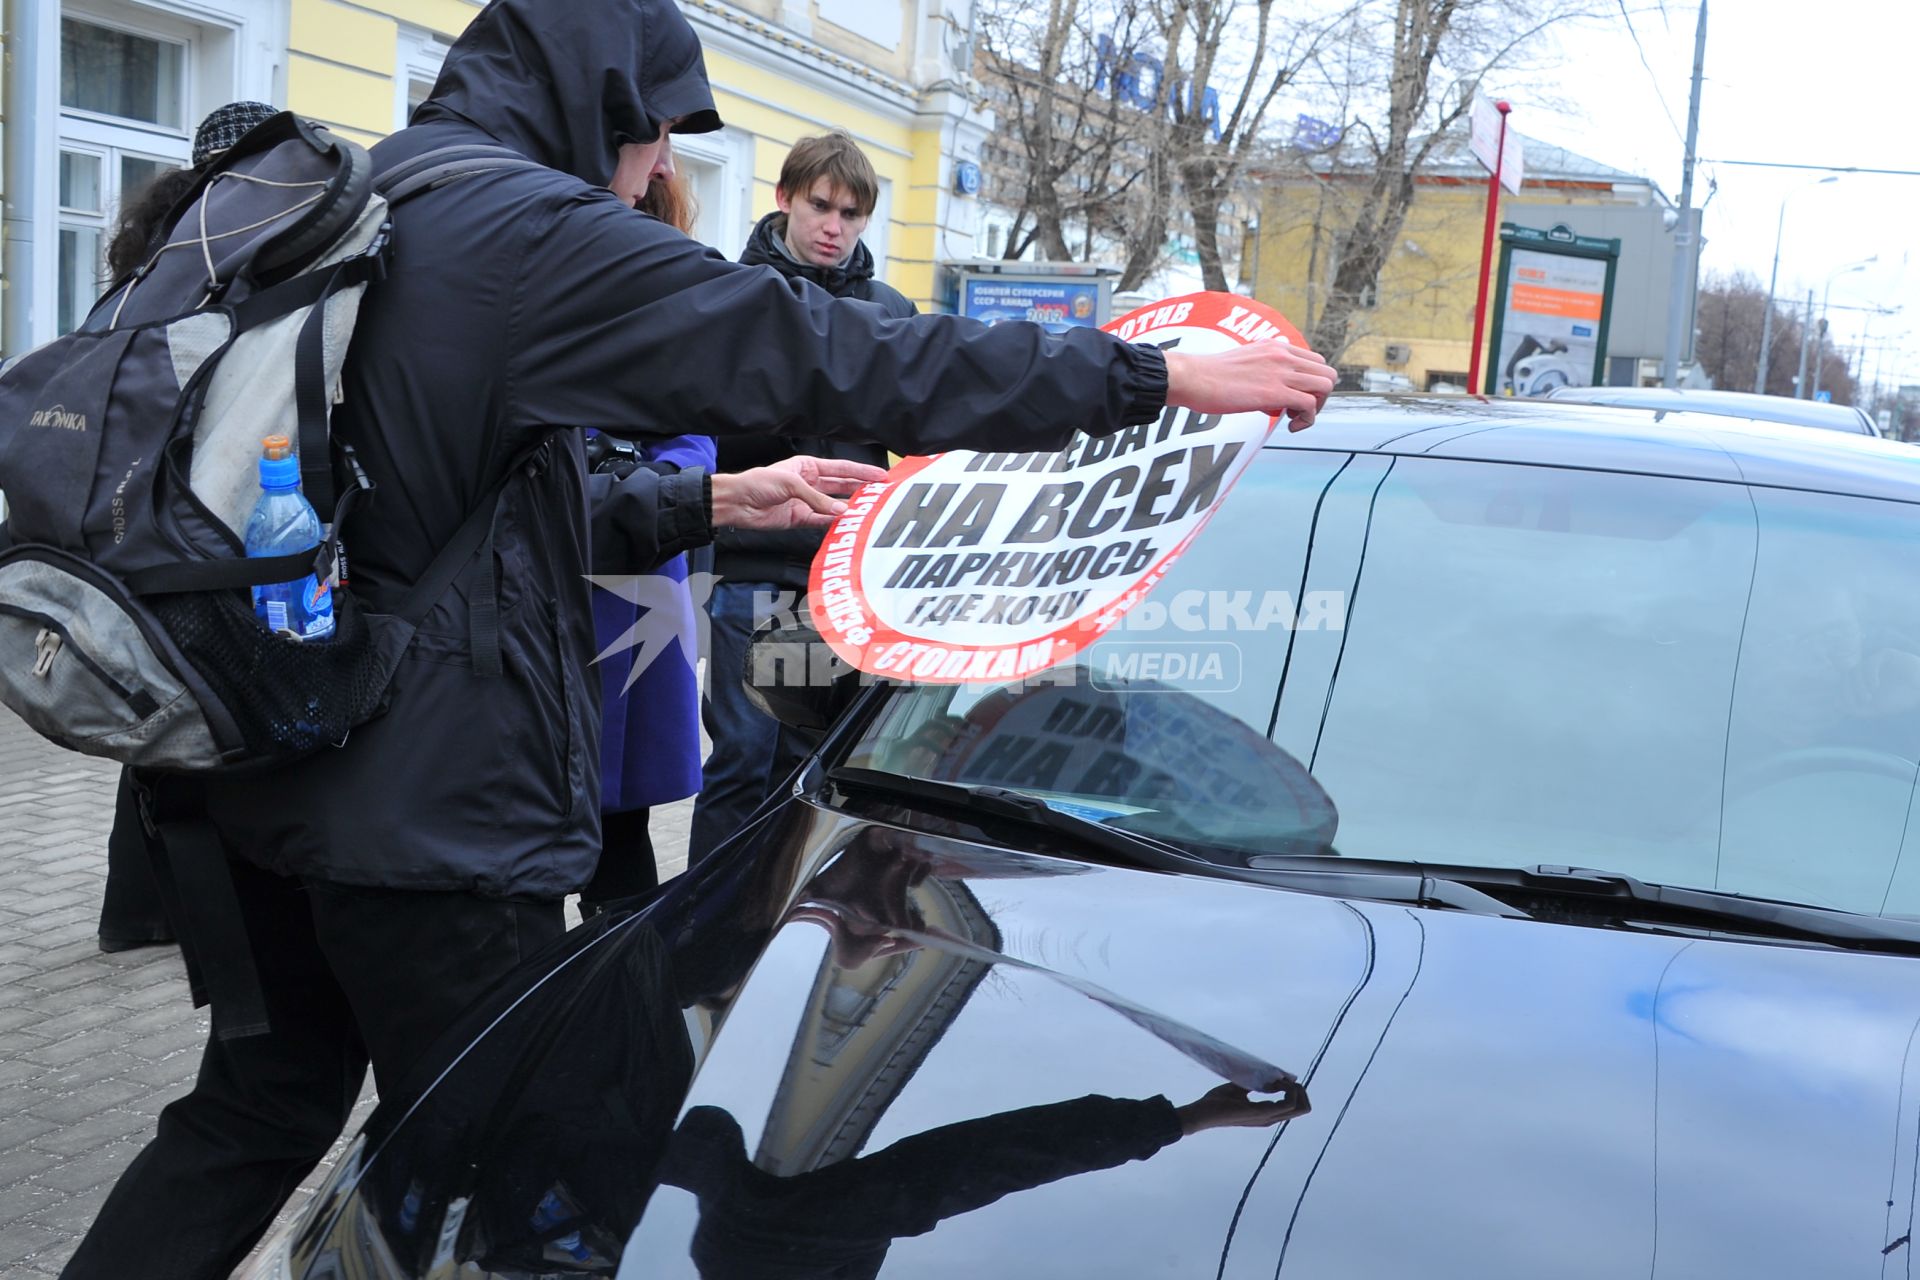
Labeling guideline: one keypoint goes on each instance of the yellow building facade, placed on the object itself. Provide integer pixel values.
(780, 71)
(99, 94)
(1417, 326)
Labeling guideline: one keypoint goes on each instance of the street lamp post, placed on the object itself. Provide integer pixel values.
(1806, 335)
(1773, 282)
(1819, 362)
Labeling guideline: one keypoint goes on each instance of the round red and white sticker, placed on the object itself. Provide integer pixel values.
(995, 566)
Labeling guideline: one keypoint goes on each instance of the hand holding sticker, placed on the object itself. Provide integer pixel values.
(995, 566)
(1271, 376)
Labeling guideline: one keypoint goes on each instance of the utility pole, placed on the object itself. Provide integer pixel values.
(1684, 281)
(1806, 332)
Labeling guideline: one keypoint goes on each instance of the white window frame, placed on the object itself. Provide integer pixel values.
(419, 56)
(117, 18)
(729, 220)
(880, 22)
(879, 232)
(236, 50)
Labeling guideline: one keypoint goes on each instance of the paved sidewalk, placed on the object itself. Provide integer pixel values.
(92, 1046)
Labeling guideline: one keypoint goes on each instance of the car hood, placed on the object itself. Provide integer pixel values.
(951, 1059)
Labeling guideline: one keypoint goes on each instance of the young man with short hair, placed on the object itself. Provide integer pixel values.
(825, 197)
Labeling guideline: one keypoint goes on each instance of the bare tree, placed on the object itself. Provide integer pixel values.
(1214, 135)
(1731, 313)
(1432, 60)
(1088, 155)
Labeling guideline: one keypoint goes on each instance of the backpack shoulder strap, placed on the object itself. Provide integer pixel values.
(442, 165)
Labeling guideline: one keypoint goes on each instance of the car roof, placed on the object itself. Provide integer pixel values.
(1565, 433)
(1741, 404)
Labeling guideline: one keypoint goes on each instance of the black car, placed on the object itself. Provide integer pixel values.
(1488, 860)
(1847, 418)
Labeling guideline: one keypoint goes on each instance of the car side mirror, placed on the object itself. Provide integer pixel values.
(794, 676)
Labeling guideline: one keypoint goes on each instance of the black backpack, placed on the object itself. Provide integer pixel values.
(127, 457)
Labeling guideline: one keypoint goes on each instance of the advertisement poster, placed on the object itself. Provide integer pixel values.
(995, 566)
(1550, 326)
(1057, 304)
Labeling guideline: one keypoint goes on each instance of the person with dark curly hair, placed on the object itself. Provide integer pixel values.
(131, 914)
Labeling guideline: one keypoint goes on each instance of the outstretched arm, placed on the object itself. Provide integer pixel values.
(619, 318)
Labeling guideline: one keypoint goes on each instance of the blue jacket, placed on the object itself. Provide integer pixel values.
(645, 627)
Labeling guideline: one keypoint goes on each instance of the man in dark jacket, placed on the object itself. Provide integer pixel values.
(825, 197)
(386, 882)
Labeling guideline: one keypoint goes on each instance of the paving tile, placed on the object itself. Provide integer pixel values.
(175, 1071)
(75, 1212)
(87, 1072)
(94, 1133)
(26, 1199)
(71, 1108)
(91, 1169)
(19, 1129)
(85, 1018)
(74, 1048)
(22, 1240)
(17, 1164)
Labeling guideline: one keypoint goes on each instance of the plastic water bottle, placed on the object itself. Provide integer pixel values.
(284, 523)
(550, 1213)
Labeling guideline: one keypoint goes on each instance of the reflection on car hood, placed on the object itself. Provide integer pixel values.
(953, 1060)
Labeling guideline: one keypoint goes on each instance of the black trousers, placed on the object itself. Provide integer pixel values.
(350, 976)
(131, 911)
(627, 867)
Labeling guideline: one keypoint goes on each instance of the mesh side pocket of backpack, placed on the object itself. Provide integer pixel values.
(288, 697)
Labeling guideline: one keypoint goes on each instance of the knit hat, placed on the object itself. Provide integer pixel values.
(227, 125)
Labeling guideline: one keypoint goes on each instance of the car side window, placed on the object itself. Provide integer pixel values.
(1537, 668)
(1825, 732)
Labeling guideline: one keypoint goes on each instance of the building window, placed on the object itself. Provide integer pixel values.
(110, 72)
(416, 69)
(126, 108)
(717, 169)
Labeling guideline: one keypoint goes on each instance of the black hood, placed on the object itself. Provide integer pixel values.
(565, 82)
(765, 248)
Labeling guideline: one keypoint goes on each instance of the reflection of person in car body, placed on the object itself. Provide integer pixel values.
(840, 1220)
(593, 1153)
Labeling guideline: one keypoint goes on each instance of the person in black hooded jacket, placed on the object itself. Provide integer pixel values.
(387, 882)
(825, 196)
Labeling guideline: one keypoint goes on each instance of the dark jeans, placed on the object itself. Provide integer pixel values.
(131, 911)
(627, 866)
(752, 752)
(349, 975)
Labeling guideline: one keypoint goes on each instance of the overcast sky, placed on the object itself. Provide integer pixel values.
(1835, 82)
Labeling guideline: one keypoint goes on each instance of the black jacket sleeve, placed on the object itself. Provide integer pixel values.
(621, 319)
(639, 521)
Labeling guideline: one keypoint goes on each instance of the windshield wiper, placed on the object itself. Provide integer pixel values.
(1678, 904)
(974, 801)
(1626, 897)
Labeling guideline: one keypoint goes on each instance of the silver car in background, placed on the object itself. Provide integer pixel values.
(1733, 404)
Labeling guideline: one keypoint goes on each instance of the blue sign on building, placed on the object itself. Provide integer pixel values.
(1136, 81)
(1057, 304)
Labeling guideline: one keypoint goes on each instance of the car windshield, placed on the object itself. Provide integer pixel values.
(1696, 683)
